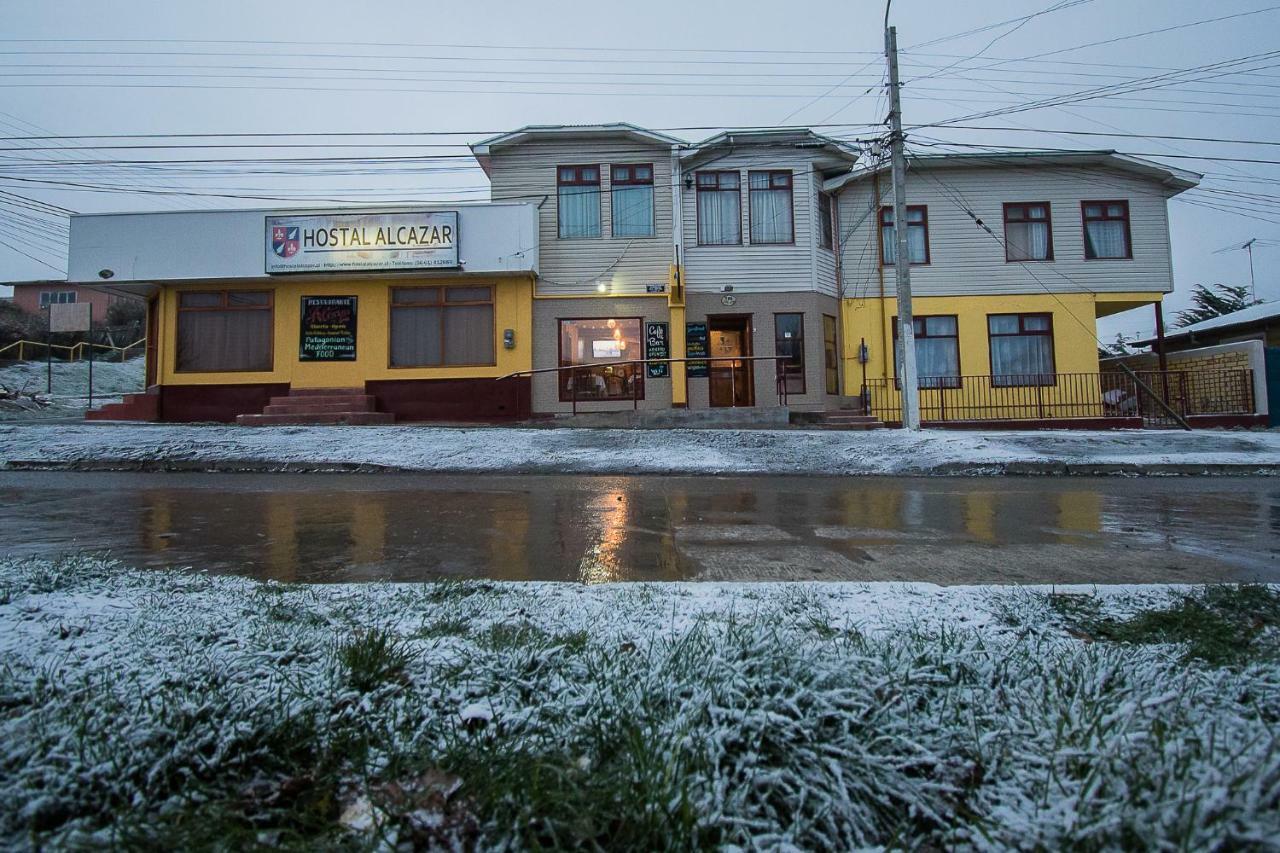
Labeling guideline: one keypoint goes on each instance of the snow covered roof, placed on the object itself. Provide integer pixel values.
(1244, 317)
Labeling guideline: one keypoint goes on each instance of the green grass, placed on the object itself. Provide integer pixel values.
(630, 718)
(372, 658)
(1219, 625)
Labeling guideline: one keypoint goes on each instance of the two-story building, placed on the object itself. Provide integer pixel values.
(768, 253)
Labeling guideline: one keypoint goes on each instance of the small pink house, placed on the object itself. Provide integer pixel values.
(34, 296)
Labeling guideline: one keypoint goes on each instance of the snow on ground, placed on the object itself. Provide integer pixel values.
(597, 451)
(177, 709)
(111, 381)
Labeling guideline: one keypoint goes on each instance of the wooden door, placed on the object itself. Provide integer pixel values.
(730, 382)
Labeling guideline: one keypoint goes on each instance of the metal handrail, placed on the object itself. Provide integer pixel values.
(70, 348)
(635, 399)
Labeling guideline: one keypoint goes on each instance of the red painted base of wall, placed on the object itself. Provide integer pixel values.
(1211, 421)
(453, 399)
(191, 403)
(407, 399)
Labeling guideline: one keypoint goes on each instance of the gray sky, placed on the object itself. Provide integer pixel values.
(328, 67)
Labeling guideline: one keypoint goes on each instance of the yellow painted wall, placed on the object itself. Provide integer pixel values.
(513, 309)
(1075, 346)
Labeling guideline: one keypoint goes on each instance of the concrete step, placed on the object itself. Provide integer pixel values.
(348, 402)
(134, 407)
(349, 418)
(326, 392)
(316, 408)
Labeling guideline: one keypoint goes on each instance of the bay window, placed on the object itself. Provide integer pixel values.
(937, 350)
(578, 201)
(771, 209)
(1028, 232)
(631, 200)
(597, 346)
(788, 341)
(442, 326)
(917, 235)
(1106, 230)
(224, 330)
(719, 208)
(1021, 349)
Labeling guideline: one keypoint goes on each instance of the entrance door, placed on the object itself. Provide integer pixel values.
(731, 382)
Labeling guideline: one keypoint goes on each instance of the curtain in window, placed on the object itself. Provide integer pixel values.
(719, 217)
(579, 211)
(915, 240)
(468, 334)
(770, 210)
(1025, 358)
(633, 211)
(1027, 241)
(224, 340)
(415, 336)
(1106, 239)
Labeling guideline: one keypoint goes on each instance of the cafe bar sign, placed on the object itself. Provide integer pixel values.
(362, 241)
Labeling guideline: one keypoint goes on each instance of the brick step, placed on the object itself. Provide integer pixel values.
(134, 407)
(349, 418)
(352, 402)
(301, 408)
(326, 392)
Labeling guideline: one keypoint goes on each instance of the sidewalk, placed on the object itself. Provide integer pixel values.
(593, 451)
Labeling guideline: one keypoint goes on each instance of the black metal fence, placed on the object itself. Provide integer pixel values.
(1065, 396)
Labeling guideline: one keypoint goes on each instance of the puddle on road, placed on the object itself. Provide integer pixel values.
(597, 529)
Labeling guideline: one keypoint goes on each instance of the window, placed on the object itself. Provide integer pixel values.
(57, 297)
(1028, 232)
(224, 330)
(441, 326)
(631, 197)
(578, 201)
(830, 355)
(770, 196)
(719, 209)
(1021, 349)
(1106, 229)
(826, 229)
(937, 350)
(917, 235)
(599, 344)
(788, 340)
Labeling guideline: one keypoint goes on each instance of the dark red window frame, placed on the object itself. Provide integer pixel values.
(1086, 219)
(1008, 382)
(577, 180)
(1048, 221)
(700, 187)
(631, 180)
(923, 223)
(791, 200)
(951, 382)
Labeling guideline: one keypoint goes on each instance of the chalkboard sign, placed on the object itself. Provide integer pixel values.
(695, 345)
(328, 328)
(657, 345)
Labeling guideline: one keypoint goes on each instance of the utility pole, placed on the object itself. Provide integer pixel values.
(1253, 288)
(906, 362)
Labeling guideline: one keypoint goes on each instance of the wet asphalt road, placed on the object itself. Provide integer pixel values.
(344, 527)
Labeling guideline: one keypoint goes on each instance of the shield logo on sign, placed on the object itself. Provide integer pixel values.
(284, 240)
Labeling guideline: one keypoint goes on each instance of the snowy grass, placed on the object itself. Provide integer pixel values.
(178, 710)
(111, 381)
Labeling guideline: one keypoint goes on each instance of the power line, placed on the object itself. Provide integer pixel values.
(1118, 135)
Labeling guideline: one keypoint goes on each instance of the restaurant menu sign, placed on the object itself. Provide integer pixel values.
(362, 241)
(328, 329)
(695, 345)
(657, 345)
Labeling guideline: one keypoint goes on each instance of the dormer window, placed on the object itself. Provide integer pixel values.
(578, 201)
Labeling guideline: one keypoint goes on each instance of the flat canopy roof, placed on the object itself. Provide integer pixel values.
(132, 252)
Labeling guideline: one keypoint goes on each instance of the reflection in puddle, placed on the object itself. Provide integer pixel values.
(603, 529)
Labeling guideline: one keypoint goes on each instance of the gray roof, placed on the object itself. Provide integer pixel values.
(1176, 179)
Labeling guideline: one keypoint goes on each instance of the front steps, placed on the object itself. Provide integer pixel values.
(350, 406)
(846, 420)
(134, 407)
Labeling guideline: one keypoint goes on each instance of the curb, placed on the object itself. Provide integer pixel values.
(1046, 468)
